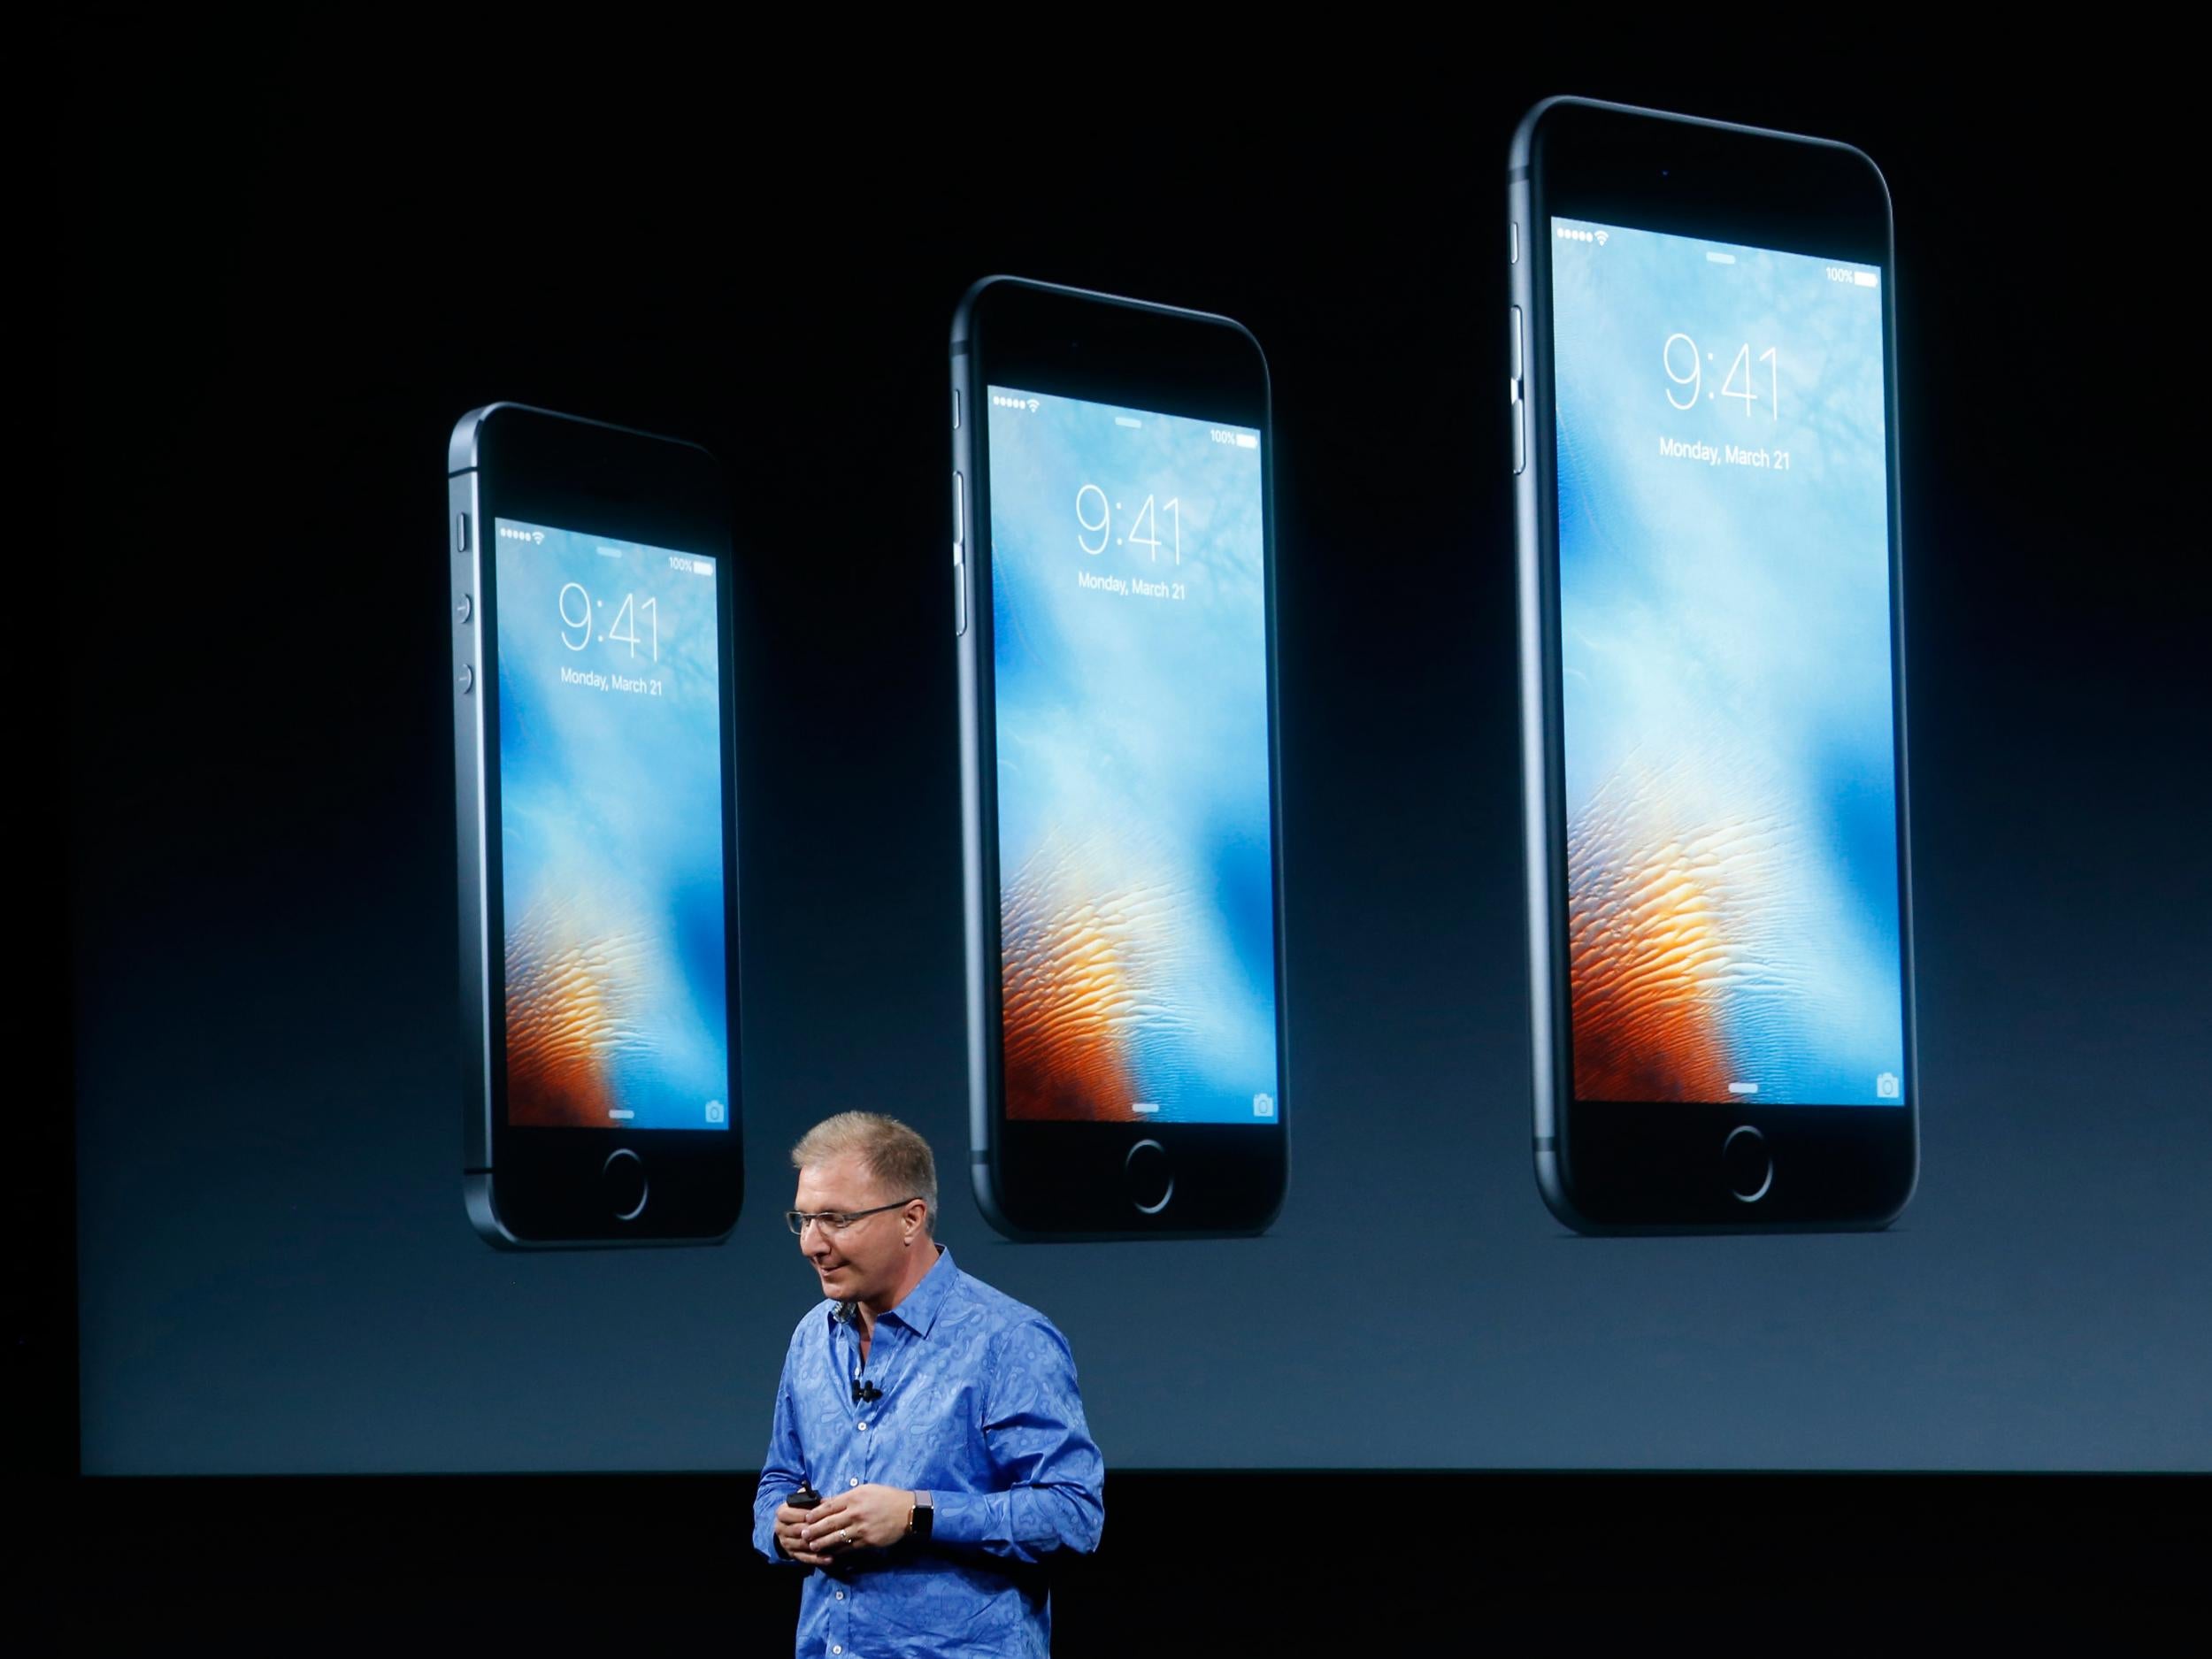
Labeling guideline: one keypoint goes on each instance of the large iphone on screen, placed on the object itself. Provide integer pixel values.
(1703, 393)
(1113, 603)
(593, 742)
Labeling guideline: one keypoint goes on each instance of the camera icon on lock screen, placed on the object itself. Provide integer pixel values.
(715, 1111)
(1262, 1105)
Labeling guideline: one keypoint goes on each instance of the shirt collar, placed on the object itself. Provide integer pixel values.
(918, 1310)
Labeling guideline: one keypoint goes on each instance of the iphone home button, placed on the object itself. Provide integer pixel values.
(1149, 1177)
(1746, 1164)
(622, 1180)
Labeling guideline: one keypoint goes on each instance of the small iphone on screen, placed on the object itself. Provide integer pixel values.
(593, 746)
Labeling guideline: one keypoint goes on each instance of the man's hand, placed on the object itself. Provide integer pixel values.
(791, 1535)
(860, 1517)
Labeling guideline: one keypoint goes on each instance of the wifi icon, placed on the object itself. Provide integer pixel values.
(1032, 406)
(1601, 236)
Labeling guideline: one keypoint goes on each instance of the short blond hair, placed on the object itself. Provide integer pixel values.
(898, 1159)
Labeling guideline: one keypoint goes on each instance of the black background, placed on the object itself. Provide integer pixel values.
(287, 262)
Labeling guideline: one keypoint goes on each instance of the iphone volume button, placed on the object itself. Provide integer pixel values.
(464, 564)
(1515, 391)
(463, 602)
(959, 560)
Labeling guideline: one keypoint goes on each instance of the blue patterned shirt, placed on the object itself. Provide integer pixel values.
(979, 1409)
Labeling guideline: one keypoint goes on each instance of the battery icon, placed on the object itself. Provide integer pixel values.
(1865, 278)
(1245, 440)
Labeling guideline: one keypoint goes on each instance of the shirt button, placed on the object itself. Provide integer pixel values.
(864, 1426)
(840, 1595)
(854, 1482)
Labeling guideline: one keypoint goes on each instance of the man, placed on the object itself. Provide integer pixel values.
(937, 1420)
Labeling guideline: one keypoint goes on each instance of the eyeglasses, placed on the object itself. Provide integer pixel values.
(834, 1221)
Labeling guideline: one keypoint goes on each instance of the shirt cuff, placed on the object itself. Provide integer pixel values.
(974, 1520)
(764, 1530)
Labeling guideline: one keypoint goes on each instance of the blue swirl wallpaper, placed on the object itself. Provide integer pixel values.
(1137, 909)
(610, 833)
(1726, 676)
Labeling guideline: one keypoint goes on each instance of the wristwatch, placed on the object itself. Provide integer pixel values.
(918, 1518)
